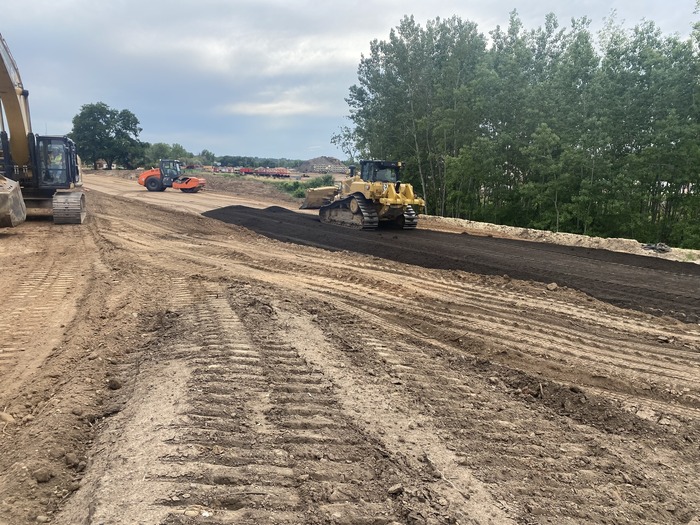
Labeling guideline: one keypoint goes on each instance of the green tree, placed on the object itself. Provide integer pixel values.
(544, 128)
(178, 152)
(156, 152)
(207, 157)
(413, 101)
(101, 132)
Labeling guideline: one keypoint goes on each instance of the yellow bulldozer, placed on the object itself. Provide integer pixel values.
(375, 194)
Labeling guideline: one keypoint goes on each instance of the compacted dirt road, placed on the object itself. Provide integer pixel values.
(252, 365)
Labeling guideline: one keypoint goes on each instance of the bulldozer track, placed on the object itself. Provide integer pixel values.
(339, 212)
(410, 218)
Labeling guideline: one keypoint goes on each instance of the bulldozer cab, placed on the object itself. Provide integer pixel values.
(379, 171)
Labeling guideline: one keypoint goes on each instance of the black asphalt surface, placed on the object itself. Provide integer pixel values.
(649, 284)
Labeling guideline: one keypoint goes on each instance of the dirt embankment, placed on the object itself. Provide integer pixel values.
(565, 239)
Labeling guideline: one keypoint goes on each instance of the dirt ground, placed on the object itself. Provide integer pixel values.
(252, 365)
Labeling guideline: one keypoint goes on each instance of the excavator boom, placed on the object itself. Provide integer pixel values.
(13, 102)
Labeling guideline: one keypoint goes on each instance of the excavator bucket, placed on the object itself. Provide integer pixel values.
(13, 211)
(317, 197)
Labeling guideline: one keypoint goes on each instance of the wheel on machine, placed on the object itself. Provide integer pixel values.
(153, 184)
(189, 190)
(354, 206)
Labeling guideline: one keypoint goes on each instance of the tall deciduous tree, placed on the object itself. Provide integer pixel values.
(207, 157)
(101, 132)
(414, 101)
(539, 129)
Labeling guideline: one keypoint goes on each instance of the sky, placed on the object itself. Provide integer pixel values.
(263, 78)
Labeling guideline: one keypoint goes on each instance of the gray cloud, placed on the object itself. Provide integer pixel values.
(241, 77)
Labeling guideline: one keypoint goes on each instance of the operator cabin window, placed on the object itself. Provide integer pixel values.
(386, 175)
(53, 164)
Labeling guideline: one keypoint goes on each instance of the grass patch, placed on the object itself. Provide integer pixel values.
(298, 188)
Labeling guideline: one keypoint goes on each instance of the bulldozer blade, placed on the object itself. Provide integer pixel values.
(13, 211)
(317, 197)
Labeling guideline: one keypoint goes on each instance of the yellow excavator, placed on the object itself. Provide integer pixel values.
(35, 171)
(375, 194)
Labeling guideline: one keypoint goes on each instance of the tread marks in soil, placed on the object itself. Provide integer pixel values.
(502, 442)
(22, 318)
(581, 340)
(267, 440)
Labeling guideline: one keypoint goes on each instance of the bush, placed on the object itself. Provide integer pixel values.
(298, 189)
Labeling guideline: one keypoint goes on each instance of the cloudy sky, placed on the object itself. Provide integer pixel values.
(264, 78)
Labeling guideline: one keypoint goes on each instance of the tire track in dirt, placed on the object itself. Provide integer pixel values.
(258, 438)
(221, 464)
(342, 484)
(386, 464)
(270, 443)
(494, 437)
(448, 399)
(625, 356)
(40, 297)
(575, 337)
(307, 384)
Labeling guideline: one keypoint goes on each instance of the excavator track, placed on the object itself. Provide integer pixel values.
(355, 211)
(69, 207)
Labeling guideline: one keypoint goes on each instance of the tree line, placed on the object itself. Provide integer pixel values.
(102, 133)
(547, 128)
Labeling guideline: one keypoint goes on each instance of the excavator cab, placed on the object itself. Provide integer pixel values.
(57, 161)
(47, 181)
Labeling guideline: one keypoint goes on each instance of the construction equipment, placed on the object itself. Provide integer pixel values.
(364, 200)
(35, 171)
(169, 175)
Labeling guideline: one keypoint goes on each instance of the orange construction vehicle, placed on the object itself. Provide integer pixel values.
(169, 175)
